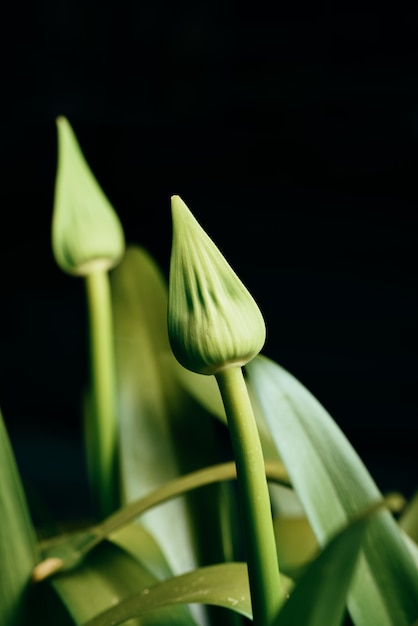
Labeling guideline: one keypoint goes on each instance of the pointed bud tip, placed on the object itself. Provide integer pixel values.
(178, 204)
(63, 126)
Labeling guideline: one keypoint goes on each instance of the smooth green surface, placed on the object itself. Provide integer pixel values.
(224, 585)
(206, 392)
(320, 595)
(409, 518)
(212, 318)
(18, 550)
(88, 240)
(334, 485)
(108, 577)
(295, 541)
(86, 232)
(140, 544)
(163, 432)
(72, 548)
(101, 442)
(255, 507)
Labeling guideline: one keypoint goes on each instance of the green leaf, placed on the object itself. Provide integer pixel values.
(145, 391)
(411, 546)
(18, 549)
(409, 518)
(334, 486)
(139, 543)
(320, 595)
(154, 410)
(205, 390)
(161, 419)
(296, 544)
(224, 585)
(69, 550)
(108, 577)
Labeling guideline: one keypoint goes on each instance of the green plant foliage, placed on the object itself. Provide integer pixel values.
(408, 523)
(409, 518)
(140, 544)
(108, 577)
(18, 548)
(70, 549)
(320, 595)
(334, 486)
(205, 391)
(296, 544)
(163, 432)
(158, 442)
(224, 585)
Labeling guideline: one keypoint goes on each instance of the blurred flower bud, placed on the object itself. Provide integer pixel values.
(86, 232)
(213, 321)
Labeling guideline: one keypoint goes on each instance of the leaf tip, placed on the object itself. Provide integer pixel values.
(46, 568)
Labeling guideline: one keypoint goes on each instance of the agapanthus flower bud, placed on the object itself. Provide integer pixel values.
(213, 321)
(86, 232)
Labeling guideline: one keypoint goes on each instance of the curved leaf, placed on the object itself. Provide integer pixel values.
(18, 549)
(141, 545)
(163, 432)
(296, 544)
(334, 486)
(409, 518)
(224, 585)
(108, 577)
(68, 550)
(205, 390)
(320, 595)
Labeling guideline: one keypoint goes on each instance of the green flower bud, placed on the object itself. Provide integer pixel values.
(213, 321)
(86, 232)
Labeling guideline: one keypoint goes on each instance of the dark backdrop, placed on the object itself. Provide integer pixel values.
(291, 134)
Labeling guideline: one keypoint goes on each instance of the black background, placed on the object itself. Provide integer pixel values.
(292, 135)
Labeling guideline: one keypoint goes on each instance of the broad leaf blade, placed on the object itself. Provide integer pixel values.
(163, 433)
(205, 390)
(107, 578)
(69, 549)
(409, 518)
(320, 595)
(139, 302)
(334, 486)
(140, 544)
(224, 585)
(296, 544)
(18, 550)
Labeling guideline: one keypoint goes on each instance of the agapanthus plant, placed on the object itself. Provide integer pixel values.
(182, 407)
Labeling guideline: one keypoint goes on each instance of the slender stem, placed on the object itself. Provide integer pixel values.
(101, 439)
(263, 568)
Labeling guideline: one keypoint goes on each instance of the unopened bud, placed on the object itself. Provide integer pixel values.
(213, 321)
(86, 232)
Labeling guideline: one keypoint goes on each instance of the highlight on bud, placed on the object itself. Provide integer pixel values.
(213, 321)
(86, 232)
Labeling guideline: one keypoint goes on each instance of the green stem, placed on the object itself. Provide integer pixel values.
(102, 433)
(263, 568)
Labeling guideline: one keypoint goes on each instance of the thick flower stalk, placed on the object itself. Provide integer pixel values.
(88, 240)
(215, 327)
